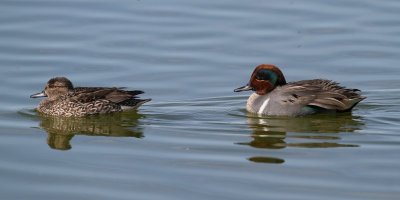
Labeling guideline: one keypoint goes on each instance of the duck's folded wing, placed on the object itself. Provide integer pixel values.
(115, 95)
(321, 93)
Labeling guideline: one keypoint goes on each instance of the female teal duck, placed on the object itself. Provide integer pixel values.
(65, 100)
(273, 96)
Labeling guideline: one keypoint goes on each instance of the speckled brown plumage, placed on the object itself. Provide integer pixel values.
(65, 100)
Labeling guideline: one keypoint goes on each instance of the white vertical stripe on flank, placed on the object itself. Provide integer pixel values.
(263, 106)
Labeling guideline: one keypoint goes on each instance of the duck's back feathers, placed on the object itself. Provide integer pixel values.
(115, 95)
(125, 99)
(321, 93)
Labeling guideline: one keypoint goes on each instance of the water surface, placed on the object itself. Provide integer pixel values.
(195, 138)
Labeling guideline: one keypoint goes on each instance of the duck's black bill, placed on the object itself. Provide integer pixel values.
(38, 95)
(243, 88)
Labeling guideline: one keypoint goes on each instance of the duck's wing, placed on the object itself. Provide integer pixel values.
(321, 93)
(115, 95)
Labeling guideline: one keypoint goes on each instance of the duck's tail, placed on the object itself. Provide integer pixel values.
(132, 104)
(352, 103)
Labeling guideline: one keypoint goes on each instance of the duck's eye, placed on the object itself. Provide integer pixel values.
(263, 74)
(51, 86)
(267, 75)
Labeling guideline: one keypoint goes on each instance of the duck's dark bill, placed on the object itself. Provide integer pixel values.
(244, 88)
(40, 94)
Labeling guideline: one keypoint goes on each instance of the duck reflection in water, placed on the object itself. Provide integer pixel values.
(313, 131)
(62, 129)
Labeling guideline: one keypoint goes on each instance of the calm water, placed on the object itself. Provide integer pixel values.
(195, 139)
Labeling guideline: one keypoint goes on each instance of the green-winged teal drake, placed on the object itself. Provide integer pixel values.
(273, 96)
(65, 100)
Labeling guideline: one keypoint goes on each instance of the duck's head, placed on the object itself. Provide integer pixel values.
(264, 79)
(55, 87)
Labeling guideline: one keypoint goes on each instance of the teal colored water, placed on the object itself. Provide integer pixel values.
(195, 139)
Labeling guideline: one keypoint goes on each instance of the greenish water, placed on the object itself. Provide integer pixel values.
(195, 138)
